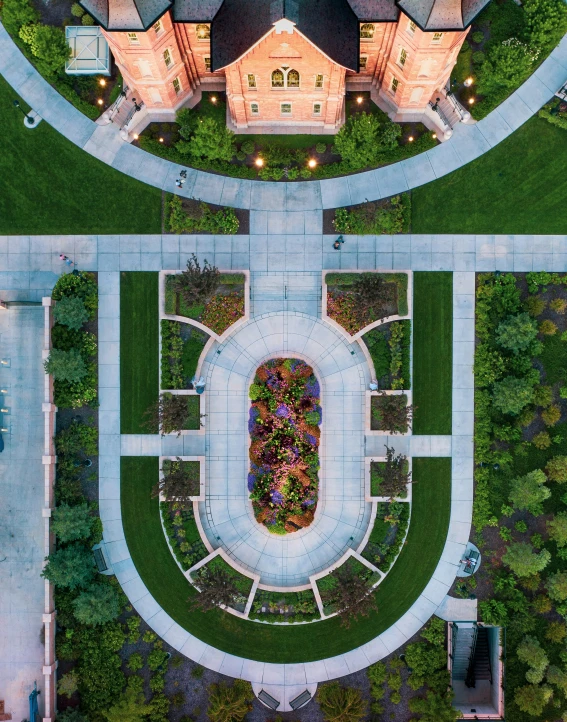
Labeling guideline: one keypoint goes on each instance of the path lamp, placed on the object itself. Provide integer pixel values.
(27, 118)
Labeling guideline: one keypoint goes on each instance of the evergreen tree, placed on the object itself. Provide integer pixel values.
(71, 567)
(98, 604)
(528, 492)
(341, 704)
(70, 523)
(516, 333)
(523, 560)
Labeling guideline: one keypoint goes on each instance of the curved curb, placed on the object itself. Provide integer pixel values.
(103, 142)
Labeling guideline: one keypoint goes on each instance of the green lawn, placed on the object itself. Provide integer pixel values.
(139, 355)
(271, 643)
(48, 185)
(432, 352)
(518, 187)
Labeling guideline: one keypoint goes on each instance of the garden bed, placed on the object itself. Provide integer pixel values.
(187, 215)
(181, 348)
(388, 534)
(345, 291)
(285, 414)
(243, 584)
(284, 607)
(182, 532)
(328, 583)
(389, 346)
(193, 420)
(388, 413)
(386, 216)
(221, 309)
(377, 469)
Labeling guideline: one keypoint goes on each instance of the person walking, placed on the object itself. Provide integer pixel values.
(65, 258)
(337, 243)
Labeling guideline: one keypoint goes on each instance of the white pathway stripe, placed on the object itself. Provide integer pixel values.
(103, 142)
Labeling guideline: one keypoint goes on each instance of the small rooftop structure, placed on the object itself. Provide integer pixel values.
(89, 51)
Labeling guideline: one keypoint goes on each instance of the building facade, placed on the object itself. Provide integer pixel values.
(286, 62)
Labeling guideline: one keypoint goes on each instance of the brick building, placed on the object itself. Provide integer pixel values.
(287, 62)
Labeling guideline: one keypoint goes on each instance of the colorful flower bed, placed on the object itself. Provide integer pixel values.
(284, 432)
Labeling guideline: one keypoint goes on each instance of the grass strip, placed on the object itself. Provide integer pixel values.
(412, 571)
(432, 352)
(139, 344)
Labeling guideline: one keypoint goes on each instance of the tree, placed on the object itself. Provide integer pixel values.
(556, 586)
(217, 588)
(350, 594)
(197, 284)
(98, 604)
(435, 707)
(506, 66)
(168, 414)
(532, 698)
(428, 663)
(556, 469)
(341, 704)
(68, 684)
(371, 294)
(530, 651)
(65, 365)
(16, 13)
(493, 612)
(527, 493)
(229, 703)
(70, 523)
(557, 529)
(546, 21)
(49, 46)
(71, 312)
(393, 412)
(557, 677)
(394, 475)
(556, 632)
(71, 715)
(72, 567)
(523, 560)
(131, 707)
(358, 141)
(211, 140)
(511, 395)
(181, 480)
(434, 633)
(516, 333)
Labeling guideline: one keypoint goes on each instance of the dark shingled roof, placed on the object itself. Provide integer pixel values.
(195, 11)
(442, 14)
(126, 14)
(331, 25)
(375, 11)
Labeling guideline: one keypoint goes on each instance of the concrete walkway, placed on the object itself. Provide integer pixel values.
(103, 142)
(22, 590)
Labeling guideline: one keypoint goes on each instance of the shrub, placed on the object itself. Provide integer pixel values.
(530, 651)
(493, 612)
(240, 155)
(516, 333)
(72, 567)
(532, 698)
(528, 492)
(131, 707)
(536, 305)
(512, 394)
(541, 605)
(71, 715)
(556, 632)
(68, 684)
(70, 523)
(135, 662)
(65, 365)
(434, 633)
(477, 36)
(557, 529)
(87, 19)
(341, 704)
(505, 67)
(83, 285)
(521, 526)
(558, 305)
(548, 328)
(523, 560)
(542, 440)
(229, 703)
(436, 707)
(77, 439)
(197, 283)
(77, 11)
(543, 396)
(551, 415)
(359, 141)
(428, 663)
(556, 586)
(556, 469)
(320, 148)
(97, 605)
(478, 58)
(48, 44)
(248, 147)
(546, 21)
(17, 13)
(210, 140)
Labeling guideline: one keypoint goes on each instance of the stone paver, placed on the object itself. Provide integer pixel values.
(468, 142)
(22, 590)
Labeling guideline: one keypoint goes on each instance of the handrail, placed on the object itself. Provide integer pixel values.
(435, 107)
(136, 107)
(470, 669)
(455, 103)
(113, 109)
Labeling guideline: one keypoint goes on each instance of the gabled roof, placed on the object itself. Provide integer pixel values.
(195, 11)
(375, 11)
(331, 25)
(123, 15)
(442, 14)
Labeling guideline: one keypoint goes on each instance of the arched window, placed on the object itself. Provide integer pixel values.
(277, 79)
(367, 31)
(203, 32)
(292, 79)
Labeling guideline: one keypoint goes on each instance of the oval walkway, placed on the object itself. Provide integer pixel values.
(104, 142)
(342, 515)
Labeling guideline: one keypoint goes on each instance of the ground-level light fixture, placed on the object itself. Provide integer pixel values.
(471, 101)
(100, 101)
(434, 136)
(102, 82)
(468, 82)
(259, 162)
(161, 140)
(135, 136)
(213, 98)
(410, 139)
(312, 163)
(359, 99)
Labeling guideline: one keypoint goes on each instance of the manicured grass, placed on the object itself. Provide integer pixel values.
(517, 187)
(139, 343)
(432, 352)
(48, 185)
(410, 574)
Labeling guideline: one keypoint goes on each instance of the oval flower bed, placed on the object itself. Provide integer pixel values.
(284, 432)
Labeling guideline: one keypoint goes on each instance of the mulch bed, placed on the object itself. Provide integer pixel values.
(191, 206)
(371, 207)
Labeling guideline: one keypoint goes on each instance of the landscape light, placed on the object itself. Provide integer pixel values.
(259, 162)
(213, 99)
(434, 136)
(410, 139)
(161, 140)
(312, 163)
(359, 99)
(468, 82)
(99, 101)
(135, 136)
(471, 101)
(102, 82)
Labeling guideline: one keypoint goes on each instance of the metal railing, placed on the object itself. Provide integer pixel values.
(435, 107)
(113, 109)
(132, 112)
(456, 105)
(469, 679)
(562, 92)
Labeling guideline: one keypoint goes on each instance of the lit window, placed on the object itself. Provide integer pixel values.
(176, 85)
(317, 108)
(207, 64)
(254, 108)
(394, 85)
(367, 31)
(403, 57)
(363, 61)
(318, 81)
(251, 80)
(133, 39)
(411, 27)
(436, 38)
(167, 58)
(277, 79)
(293, 79)
(285, 108)
(203, 32)
(158, 27)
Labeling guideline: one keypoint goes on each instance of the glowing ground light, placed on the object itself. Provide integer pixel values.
(471, 101)
(468, 82)
(434, 136)
(214, 99)
(359, 99)
(312, 163)
(259, 162)
(161, 140)
(135, 136)
(102, 82)
(410, 139)
(99, 101)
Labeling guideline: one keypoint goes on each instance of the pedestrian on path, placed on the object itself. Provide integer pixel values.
(337, 243)
(65, 258)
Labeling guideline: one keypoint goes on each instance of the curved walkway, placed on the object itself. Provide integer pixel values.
(342, 515)
(104, 142)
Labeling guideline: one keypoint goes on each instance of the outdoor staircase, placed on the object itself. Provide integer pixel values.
(464, 640)
(480, 666)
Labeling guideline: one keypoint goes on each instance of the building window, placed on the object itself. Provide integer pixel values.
(293, 79)
(277, 79)
(251, 81)
(367, 31)
(167, 58)
(158, 27)
(363, 62)
(317, 108)
(133, 39)
(203, 32)
(394, 85)
(436, 39)
(402, 57)
(207, 64)
(318, 81)
(411, 27)
(176, 85)
(254, 108)
(285, 78)
(285, 108)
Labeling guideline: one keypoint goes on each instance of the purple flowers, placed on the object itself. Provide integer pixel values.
(276, 497)
(282, 411)
(254, 414)
(251, 481)
(311, 440)
(312, 388)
